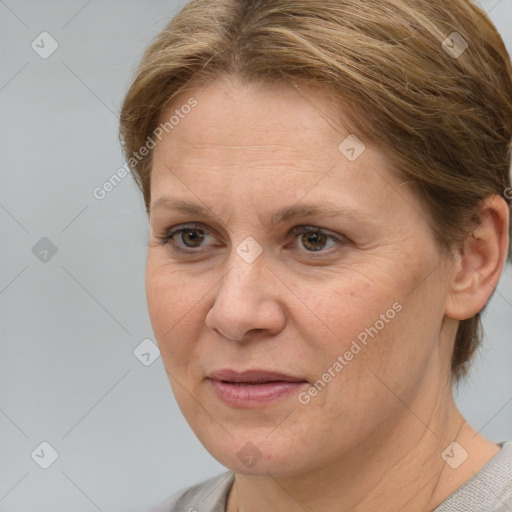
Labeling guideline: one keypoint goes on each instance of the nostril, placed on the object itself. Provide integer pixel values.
(218, 331)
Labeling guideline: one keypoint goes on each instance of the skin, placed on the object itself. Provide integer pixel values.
(372, 438)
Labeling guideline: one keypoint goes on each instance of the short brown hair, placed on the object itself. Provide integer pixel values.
(441, 112)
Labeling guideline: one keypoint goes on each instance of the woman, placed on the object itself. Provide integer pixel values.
(327, 189)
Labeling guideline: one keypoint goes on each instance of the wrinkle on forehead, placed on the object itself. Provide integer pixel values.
(272, 144)
(248, 147)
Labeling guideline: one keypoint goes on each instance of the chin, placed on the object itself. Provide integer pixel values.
(258, 455)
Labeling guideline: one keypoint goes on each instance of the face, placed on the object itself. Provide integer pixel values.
(299, 254)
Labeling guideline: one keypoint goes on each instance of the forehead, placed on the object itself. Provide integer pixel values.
(234, 124)
(280, 143)
(267, 105)
(250, 118)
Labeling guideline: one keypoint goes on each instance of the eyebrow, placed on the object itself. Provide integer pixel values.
(284, 214)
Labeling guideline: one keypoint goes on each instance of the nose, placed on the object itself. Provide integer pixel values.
(247, 302)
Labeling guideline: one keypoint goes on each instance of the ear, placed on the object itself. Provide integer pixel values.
(479, 263)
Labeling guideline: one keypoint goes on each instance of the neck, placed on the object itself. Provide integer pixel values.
(401, 467)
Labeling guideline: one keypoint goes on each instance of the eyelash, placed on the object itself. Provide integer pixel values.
(167, 238)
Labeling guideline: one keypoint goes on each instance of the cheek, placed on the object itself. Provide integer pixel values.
(376, 319)
(341, 311)
(174, 306)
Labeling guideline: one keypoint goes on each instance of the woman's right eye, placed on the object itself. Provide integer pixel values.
(185, 238)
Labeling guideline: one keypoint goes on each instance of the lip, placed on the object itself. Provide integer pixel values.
(253, 388)
(251, 376)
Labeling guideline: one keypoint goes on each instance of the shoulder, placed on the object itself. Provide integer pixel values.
(490, 490)
(207, 496)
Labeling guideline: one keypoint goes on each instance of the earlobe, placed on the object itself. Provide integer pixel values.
(479, 263)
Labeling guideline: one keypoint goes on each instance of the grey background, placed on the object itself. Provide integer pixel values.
(70, 325)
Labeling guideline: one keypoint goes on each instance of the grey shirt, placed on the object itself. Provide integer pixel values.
(490, 490)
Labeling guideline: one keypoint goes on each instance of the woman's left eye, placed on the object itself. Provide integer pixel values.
(314, 239)
(309, 238)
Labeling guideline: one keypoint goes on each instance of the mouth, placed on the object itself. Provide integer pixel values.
(253, 388)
